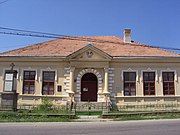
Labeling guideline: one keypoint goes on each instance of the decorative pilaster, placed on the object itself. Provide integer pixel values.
(111, 80)
(71, 90)
(106, 81)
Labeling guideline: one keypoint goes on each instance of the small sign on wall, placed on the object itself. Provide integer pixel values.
(85, 89)
(59, 88)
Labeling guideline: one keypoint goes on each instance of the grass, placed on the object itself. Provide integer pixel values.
(45, 112)
(148, 117)
(33, 117)
(143, 116)
(26, 116)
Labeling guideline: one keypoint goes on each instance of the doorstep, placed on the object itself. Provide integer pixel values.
(92, 118)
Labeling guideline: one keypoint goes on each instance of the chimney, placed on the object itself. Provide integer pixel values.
(127, 35)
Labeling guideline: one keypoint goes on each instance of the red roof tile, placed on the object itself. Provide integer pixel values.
(111, 45)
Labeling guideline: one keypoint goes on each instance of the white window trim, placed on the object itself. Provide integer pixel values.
(156, 80)
(22, 78)
(55, 79)
(175, 78)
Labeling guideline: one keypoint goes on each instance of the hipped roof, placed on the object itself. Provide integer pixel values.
(112, 45)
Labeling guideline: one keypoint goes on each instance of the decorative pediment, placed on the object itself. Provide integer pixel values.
(89, 52)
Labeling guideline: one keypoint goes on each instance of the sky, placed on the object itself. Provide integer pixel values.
(153, 22)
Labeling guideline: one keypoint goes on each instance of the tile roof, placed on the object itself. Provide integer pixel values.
(111, 45)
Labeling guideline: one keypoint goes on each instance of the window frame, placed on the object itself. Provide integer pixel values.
(149, 83)
(130, 83)
(48, 82)
(29, 82)
(163, 82)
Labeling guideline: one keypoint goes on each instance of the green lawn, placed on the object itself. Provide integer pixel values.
(45, 113)
(34, 117)
(143, 116)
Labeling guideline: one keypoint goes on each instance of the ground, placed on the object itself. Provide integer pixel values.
(147, 127)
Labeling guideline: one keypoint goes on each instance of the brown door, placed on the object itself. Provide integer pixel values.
(89, 87)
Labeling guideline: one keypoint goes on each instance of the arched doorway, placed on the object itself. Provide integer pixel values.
(89, 87)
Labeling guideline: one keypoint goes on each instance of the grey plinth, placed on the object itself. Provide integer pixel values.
(9, 100)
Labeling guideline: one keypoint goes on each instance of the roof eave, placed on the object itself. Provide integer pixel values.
(32, 58)
(150, 59)
(147, 57)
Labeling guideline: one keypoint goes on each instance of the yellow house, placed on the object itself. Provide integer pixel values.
(95, 69)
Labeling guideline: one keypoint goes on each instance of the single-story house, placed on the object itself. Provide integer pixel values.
(93, 69)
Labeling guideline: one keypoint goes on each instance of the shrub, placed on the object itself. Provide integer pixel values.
(46, 105)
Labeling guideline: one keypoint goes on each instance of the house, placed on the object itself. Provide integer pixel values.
(94, 69)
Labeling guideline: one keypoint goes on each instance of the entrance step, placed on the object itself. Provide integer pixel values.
(93, 118)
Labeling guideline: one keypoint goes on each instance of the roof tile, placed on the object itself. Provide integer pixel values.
(111, 45)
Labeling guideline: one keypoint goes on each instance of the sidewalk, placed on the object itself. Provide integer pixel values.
(92, 118)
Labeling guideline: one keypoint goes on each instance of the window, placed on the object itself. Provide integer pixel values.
(48, 82)
(129, 83)
(168, 83)
(29, 82)
(149, 83)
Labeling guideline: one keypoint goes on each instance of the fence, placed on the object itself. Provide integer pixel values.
(72, 108)
(91, 106)
(149, 107)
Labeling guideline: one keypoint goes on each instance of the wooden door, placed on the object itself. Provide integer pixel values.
(89, 88)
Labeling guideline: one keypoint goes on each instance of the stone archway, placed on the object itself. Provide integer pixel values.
(78, 83)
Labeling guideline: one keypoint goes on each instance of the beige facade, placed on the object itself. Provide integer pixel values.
(108, 70)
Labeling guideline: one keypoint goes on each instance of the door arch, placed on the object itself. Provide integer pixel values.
(89, 87)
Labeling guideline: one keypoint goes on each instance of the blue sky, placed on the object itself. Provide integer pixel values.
(154, 22)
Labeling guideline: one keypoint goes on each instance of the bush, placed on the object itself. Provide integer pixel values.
(46, 105)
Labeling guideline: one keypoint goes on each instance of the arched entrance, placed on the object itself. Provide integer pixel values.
(89, 87)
